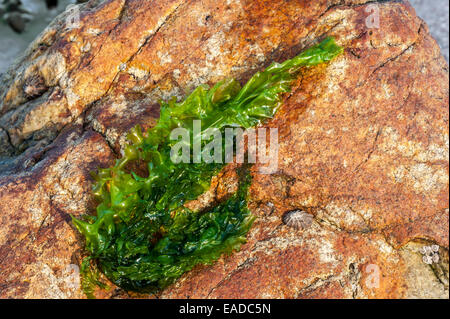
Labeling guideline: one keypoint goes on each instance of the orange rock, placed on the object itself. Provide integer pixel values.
(363, 144)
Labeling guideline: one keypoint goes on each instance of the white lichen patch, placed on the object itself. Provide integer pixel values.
(168, 94)
(235, 3)
(384, 247)
(387, 91)
(427, 178)
(393, 144)
(49, 112)
(338, 67)
(164, 57)
(94, 31)
(36, 210)
(422, 177)
(52, 68)
(176, 74)
(336, 70)
(72, 97)
(256, 50)
(214, 64)
(138, 73)
(214, 45)
(341, 216)
(276, 244)
(200, 16)
(434, 152)
(44, 278)
(150, 32)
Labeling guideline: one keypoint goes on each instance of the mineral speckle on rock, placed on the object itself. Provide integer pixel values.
(363, 143)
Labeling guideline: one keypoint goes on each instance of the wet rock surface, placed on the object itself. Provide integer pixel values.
(363, 143)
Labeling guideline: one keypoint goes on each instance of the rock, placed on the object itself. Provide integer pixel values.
(363, 143)
(16, 21)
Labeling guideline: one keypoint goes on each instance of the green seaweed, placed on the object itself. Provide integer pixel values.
(142, 236)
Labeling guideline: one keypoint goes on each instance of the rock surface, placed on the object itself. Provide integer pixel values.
(364, 143)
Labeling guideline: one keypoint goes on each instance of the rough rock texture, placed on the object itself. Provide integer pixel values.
(364, 143)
